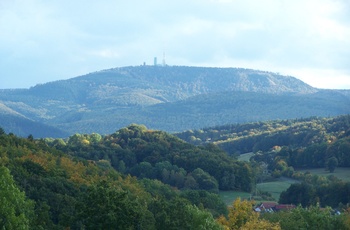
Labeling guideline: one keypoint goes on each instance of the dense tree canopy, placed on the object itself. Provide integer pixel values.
(137, 178)
(16, 211)
(157, 155)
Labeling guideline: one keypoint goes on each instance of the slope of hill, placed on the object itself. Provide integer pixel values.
(44, 188)
(264, 136)
(14, 122)
(171, 98)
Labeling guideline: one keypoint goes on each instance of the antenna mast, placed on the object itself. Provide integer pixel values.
(164, 59)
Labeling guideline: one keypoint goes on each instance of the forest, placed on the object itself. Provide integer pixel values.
(137, 178)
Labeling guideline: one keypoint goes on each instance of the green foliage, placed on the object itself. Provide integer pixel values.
(204, 180)
(178, 213)
(157, 155)
(73, 183)
(312, 217)
(263, 136)
(107, 207)
(63, 192)
(209, 201)
(331, 164)
(315, 189)
(16, 211)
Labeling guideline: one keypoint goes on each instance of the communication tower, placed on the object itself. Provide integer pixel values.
(164, 64)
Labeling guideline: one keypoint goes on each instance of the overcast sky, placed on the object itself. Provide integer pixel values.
(47, 40)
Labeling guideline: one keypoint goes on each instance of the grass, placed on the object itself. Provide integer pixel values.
(229, 196)
(276, 187)
(341, 173)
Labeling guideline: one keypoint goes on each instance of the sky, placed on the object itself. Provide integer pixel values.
(48, 40)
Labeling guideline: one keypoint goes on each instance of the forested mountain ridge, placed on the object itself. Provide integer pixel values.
(170, 98)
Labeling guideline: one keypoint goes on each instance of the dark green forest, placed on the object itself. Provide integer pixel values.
(138, 178)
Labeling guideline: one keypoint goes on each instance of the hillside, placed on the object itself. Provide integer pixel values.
(44, 188)
(264, 136)
(169, 98)
(84, 182)
(290, 148)
(14, 122)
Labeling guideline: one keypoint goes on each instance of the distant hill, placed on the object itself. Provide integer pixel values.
(169, 98)
(264, 136)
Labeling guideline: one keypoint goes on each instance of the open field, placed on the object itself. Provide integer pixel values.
(341, 173)
(276, 187)
(245, 156)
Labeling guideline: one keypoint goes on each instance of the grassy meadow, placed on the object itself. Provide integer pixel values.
(276, 187)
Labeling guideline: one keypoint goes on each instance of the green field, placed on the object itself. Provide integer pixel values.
(276, 187)
(341, 173)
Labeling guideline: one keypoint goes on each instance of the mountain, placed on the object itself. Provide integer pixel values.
(169, 98)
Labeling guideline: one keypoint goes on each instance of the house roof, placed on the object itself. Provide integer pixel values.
(268, 205)
(284, 206)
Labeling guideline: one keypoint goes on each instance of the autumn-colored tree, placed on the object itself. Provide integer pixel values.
(242, 216)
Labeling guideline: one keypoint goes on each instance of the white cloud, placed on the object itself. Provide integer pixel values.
(50, 40)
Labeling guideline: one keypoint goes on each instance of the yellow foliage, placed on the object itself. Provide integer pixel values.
(76, 171)
(346, 218)
(85, 142)
(259, 224)
(242, 216)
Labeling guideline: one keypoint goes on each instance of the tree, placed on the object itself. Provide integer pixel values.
(313, 218)
(2, 131)
(16, 210)
(178, 213)
(107, 207)
(205, 180)
(242, 216)
(331, 164)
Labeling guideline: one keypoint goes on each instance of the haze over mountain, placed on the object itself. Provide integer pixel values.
(169, 98)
